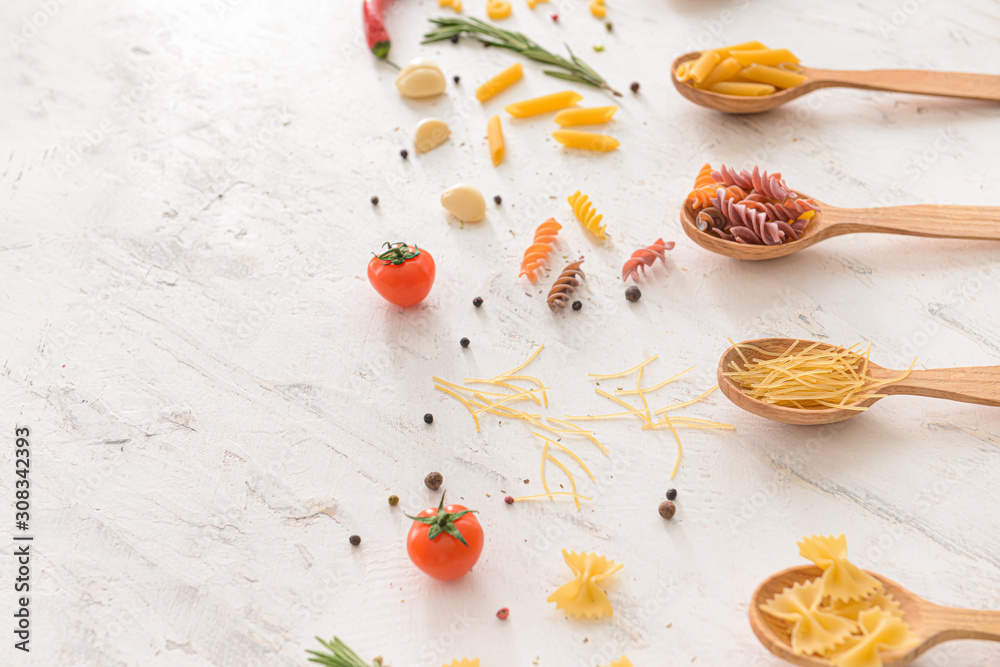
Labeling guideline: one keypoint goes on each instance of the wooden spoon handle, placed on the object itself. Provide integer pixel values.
(952, 222)
(975, 384)
(948, 84)
(947, 623)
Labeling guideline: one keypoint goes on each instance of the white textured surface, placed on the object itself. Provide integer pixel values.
(218, 399)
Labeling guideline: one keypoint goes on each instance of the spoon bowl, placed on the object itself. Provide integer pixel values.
(931, 623)
(944, 84)
(978, 384)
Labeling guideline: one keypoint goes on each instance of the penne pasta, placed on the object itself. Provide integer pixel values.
(703, 66)
(742, 89)
(764, 57)
(684, 70)
(742, 46)
(722, 72)
(500, 82)
(779, 78)
(589, 116)
(590, 141)
(544, 104)
(494, 134)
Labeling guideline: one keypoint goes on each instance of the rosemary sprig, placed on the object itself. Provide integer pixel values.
(340, 655)
(573, 69)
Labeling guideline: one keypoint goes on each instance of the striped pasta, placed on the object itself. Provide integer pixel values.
(643, 258)
(584, 211)
(565, 285)
(538, 251)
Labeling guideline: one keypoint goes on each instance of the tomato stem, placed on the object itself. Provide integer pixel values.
(443, 522)
(397, 253)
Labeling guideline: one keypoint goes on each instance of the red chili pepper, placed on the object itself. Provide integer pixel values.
(375, 32)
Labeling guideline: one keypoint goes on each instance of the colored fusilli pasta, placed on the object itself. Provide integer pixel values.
(746, 206)
(644, 257)
(565, 285)
(584, 211)
(541, 246)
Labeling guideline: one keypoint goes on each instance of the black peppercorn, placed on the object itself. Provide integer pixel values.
(404, 153)
(428, 418)
(497, 200)
(454, 39)
(635, 86)
(672, 494)
(667, 509)
(355, 540)
(577, 305)
(374, 201)
(457, 78)
(433, 481)
(478, 301)
(633, 294)
(464, 342)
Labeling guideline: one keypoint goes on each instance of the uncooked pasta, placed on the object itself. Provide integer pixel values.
(745, 206)
(816, 376)
(565, 285)
(541, 246)
(749, 69)
(643, 258)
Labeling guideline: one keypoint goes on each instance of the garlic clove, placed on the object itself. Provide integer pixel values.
(420, 78)
(431, 133)
(464, 202)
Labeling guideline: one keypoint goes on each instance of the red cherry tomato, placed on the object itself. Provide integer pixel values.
(403, 274)
(434, 543)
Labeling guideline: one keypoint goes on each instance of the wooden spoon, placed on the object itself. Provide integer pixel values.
(944, 222)
(931, 623)
(945, 84)
(978, 384)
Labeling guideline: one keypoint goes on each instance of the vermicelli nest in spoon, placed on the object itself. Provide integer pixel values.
(814, 377)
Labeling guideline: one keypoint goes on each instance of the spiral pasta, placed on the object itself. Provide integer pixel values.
(748, 206)
(565, 285)
(584, 211)
(644, 257)
(538, 251)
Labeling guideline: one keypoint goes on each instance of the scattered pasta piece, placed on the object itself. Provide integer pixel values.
(598, 9)
(533, 3)
(583, 597)
(454, 4)
(494, 134)
(588, 141)
(544, 104)
(464, 662)
(848, 632)
(623, 373)
(501, 81)
(564, 286)
(810, 377)
(587, 116)
(552, 495)
(538, 251)
(584, 211)
(644, 257)
(622, 662)
(747, 69)
(497, 9)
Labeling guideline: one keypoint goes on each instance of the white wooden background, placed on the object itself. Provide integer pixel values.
(218, 398)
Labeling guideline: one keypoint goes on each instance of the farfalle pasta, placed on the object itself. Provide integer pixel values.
(747, 69)
(745, 206)
(583, 597)
(845, 615)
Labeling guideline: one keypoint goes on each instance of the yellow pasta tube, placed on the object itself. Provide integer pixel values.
(500, 82)
(722, 72)
(742, 89)
(703, 65)
(684, 70)
(590, 116)
(779, 78)
(494, 133)
(544, 104)
(724, 51)
(590, 141)
(497, 9)
(764, 56)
